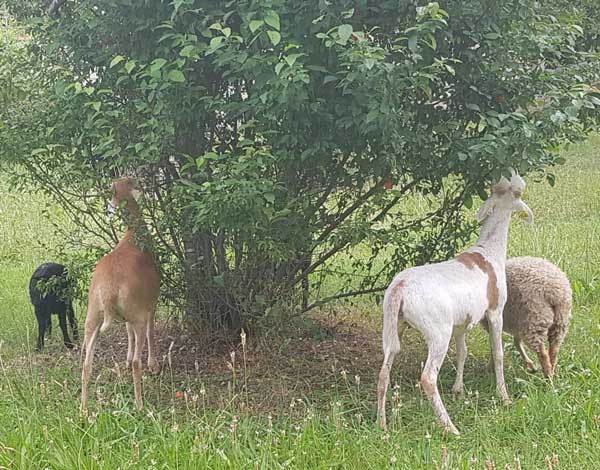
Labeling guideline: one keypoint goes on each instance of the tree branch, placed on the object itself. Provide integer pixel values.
(325, 300)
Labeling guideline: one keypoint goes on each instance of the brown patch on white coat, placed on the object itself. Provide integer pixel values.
(125, 285)
(472, 259)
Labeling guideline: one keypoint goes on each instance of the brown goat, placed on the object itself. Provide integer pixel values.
(126, 286)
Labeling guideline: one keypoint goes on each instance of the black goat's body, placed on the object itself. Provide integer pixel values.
(52, 299)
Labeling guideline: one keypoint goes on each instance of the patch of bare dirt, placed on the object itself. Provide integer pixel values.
(314, 360)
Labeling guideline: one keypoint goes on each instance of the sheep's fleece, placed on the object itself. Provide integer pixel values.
(538, 307)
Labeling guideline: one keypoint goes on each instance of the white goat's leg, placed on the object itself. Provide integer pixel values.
(495, 322)
(391, 347)
(521, 348)
(130, 344)
(461, 356)
(139, 331)
(438, 347)
(153, 364)
(92, 328)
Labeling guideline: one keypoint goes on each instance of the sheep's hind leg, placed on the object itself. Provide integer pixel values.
(544, 360)
(521, 348)
(461, 356)
(438, 347)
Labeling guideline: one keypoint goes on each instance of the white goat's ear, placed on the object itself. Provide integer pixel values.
(486, 209)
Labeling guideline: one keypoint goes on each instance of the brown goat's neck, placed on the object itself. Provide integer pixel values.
(136, 231)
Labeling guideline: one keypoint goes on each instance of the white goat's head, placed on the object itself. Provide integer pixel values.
(506, 195)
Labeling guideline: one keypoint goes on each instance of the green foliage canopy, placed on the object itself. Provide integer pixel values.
(275, 136)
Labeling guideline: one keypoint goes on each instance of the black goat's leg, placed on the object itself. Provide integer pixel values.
(62, 321)
(40, 315)
(72, 321)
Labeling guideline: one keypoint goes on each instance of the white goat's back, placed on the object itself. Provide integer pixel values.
(440, 295)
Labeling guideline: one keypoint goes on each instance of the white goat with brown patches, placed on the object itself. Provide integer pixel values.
(126, 286)
(446, 299)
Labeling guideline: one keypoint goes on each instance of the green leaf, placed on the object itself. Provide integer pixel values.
(492, 36)
(274, 36)
(157, 64)
(215, 43)
(291, 59)
(412, 42)
(187, 51)
(255, 24)
(278, 67)
(345, 31)
(129, 66)
(176, 76)
(348, 13)
(272, 19)
(116, 60)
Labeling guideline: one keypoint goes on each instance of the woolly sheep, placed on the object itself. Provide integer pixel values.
(538, 308)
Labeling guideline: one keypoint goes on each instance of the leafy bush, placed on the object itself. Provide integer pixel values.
(274, 137)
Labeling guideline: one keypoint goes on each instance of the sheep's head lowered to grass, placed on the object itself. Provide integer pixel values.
(506, 195)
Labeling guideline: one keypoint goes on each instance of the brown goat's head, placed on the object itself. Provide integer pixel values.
(123, 191)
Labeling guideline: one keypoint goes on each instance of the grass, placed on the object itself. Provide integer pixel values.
(306, 399)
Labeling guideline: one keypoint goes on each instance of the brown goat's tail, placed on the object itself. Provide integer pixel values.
(106, 323)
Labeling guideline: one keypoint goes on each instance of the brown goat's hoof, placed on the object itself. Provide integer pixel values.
(154, 368)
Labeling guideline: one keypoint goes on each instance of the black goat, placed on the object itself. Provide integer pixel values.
(52, 296)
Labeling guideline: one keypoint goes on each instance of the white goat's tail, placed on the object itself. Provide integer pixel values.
(392, 308)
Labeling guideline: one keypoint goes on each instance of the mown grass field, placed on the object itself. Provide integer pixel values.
(315, 408)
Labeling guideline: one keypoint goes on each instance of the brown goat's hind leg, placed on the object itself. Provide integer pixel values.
(130, 343)
(92, 328)
(153, 364)
(136, 364)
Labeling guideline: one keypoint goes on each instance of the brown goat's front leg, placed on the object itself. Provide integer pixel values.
(139, 331)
